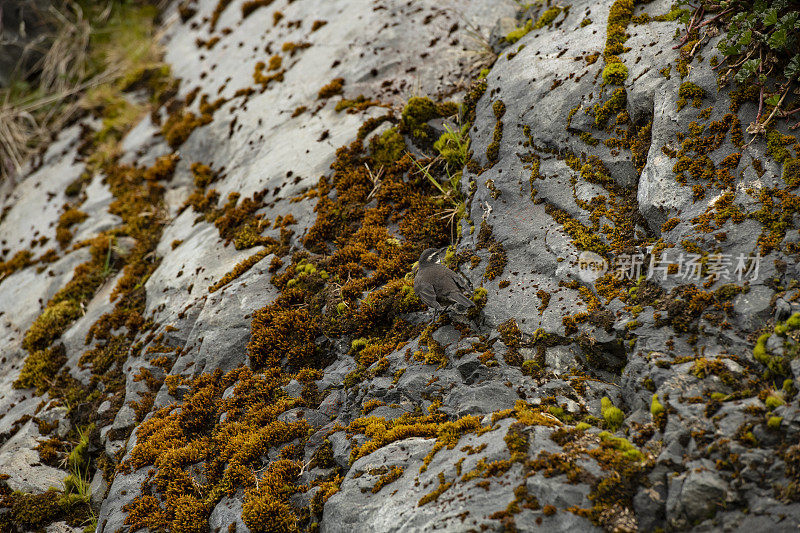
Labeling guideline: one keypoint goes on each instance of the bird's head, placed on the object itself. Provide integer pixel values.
(430, 255)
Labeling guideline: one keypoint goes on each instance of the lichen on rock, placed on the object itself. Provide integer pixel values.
(213, 324)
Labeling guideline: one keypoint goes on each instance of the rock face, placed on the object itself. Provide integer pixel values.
(239, 347)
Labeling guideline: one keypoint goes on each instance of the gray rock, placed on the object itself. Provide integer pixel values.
(226, 513)
(502, 27)
(695, 496)
(62, 527)
(20, 460)
(559, 359)
(332, 404)
(315, 418)
(123, 490)
(621, 349)
(481, 399)
(753, 307)
(293, 389)
(125, 420)
(97, 490)
(341, 448)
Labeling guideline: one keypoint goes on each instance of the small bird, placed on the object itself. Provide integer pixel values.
(439, 287)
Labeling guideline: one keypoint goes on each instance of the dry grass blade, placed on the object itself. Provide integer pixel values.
(479, 46)
(450, 195)
(101, 49)
(28, 121)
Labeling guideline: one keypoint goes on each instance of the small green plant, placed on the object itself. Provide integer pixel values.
(762, 38)
(77, 484)
(759, 47)
(453, 145)
(108, 268)
(450, 195)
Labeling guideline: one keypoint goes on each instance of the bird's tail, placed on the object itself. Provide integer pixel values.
(460, 300)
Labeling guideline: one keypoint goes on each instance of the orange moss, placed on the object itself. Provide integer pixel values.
(293, 47)
(265, 79)
(331, 89)
(19, 261)
(251, 5)
(239, 269)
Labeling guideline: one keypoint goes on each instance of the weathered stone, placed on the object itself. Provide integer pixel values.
(226, 514)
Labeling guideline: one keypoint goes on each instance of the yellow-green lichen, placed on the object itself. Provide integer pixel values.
(616, 103)
(690, 91)
(615, 73)
(392, 475)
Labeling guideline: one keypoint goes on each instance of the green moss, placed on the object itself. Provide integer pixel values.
(517, 34)
(239, 269)
(619, 16)
(388, 147)
(583, 237)
(630, 451)
(434, 495)
(331, 89)
(776, 144)
(674, 14)
(547, 18)
(479, 296)
(611, 414)
(615, 104)
(358, 344)
(360, 103)
(51, 324)
(586, 137)
(251, 5)
(774, 422)
(776, 365)
(18, 261)
(773, 401)
(791, 171)
(493, 149)
(760, 350)
(655, 406)
(615, 73)
(392, 475)
(418, 111)
(40, 369)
